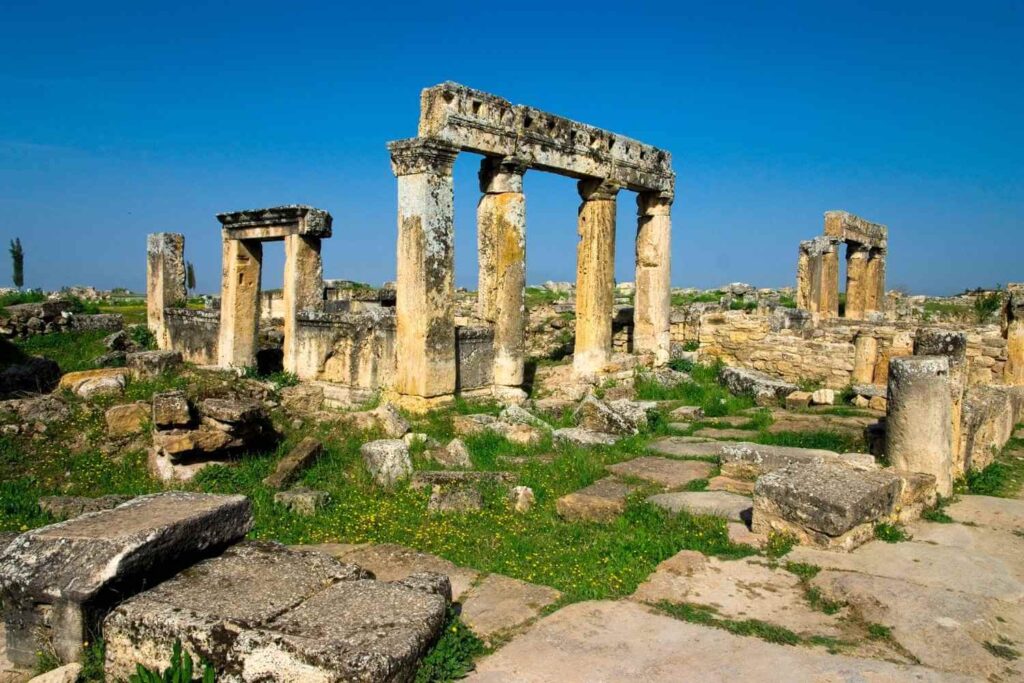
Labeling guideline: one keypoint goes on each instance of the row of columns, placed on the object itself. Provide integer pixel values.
(865, 281)
(425, 273)
(818, 278)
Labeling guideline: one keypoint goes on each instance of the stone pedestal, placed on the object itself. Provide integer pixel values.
(239, 302)
(165, 280)
(865, 355)
(425, 269)
(652, 306)
(919, 424)
(595, 276)
(857, 284)
(501, 238)
(952, 345)
(303, 288)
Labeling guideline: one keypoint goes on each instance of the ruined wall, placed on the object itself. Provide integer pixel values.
(194, 333)
(272, 305)
(474, 357)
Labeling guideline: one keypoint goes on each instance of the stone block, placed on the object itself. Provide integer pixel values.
(152, 363)
(764, 388)
(602, 501)
(825, 504)
(232, 411)
(68, 507)
(878, 403)
(743, 460)
(127, 419)
(515, 414)
(302, 501)
(171, 410)
(500, 603)
(823, 397)
(579, 436)
(57, 581)
(728, 506)
(742, 487)
(387, 460)
(384, 418)
(521, 498)
(687, 413)
(798, 399)
(663, 471)
(305, 453)
(455, 498)
(291, 615)
(88, 383)
(455, 454)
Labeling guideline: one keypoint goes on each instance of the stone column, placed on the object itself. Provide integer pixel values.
(828, 283)
(817, 277)
(652, 305)
(918, 425)
(803, 276)
(501, 238)
(303, 289)
(1014, 328)
(239, 302)
(425, 339)
(595, 275)
(165, 280)
(857, 284)
(952, 345)
(874, 293)
(865, 355)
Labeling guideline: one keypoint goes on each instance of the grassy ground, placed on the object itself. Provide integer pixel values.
(1004, 477)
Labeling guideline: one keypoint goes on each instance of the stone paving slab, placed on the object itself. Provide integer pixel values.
(610, 641)
(740, 589)
(944, 629)
(663, 471)
(1000, 513)
(741, 487)
(500, 603)
(716, 503)
(602, 501)
(724, 433)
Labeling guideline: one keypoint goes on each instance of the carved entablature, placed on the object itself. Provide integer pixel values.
(849, 228)
(276, 223)
(817, 246)
(479, 122)
(422, 155)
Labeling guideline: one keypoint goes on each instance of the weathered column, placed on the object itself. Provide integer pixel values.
(501, 238)
(919, 420)
(952, 345)
(425, 341)
(828, 283)
(652, 305)
(1014, 328)
(303, 288)
(856, 281)
(165, 280)
(595, 275)
(865, 354)
(874, 292)
(239, 302)
(804, 285)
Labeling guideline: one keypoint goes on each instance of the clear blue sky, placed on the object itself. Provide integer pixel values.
(119, 119)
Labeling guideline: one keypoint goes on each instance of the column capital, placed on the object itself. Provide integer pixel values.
(654, 203)
(501, 174)
(857, 250)
(597, 188)
(422, 155)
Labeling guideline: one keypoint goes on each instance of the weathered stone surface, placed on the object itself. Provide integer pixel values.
(384, 418)
(625, 641)
(291, 616)
(943, 629)
(455, 454)
(824, 503)
(748, 588)
(171, 410)
(515, 414)
(664, 471)
(823, 397)
(602, 501)
(742, 487)
(62, 674)
(387, 460)
(87, 383)
(37, 375)
(764, 388)
(152, 363)
(127, 419)
(614, 417)
(455, 498)
(579, 436)
(742, 460)
(499, 603)
(740, 533)
(919, 433)
(58, 578)
(232, 410)
(798, 399)
(302, 501)
(998, 513)
(687, 413)
(305, 453)
(302, 399)
(521, 498)
(36, 409)
(67, 507)
(715, 503)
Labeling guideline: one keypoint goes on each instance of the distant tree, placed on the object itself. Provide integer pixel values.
(17, 262)
(190, 276)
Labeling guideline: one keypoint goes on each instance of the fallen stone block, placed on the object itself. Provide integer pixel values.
(521, 498)
(917, 493)
(233, 411)
(171, 410)
(579, 436)
(602, 501)
(305, 453)
(798, 399)
(515, 414)
(127, 419)
(67, 507)
(728, 506)
(387, 460)
(294, 616)
(614, 417)
(87, 383)
(825, 504)
(823, 397)
(869, 391)
(385, 418)
(68, 673)
(749, 460)
(455, 498)
(743, 487)
(687, 413)
(302, 501)
(57, 581)
(145, 364)
(663, 471)
(764, 388)
(455, 454)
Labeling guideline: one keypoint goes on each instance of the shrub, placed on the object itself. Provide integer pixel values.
(452, 657)
(180, 670)
(142, 336)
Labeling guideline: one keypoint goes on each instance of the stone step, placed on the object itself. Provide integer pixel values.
(728, 506)
(742, 459)
(663, 471)
(602, 501)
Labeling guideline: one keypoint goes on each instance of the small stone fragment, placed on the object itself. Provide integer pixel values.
(521, 498)
(387, 460)
(823, 397)
(302, 501)
(798, 399)
(127, 419)
(171, 410)
(579, 436)
(305, 453)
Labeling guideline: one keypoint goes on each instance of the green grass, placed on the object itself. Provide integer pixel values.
(805, 571)
(879, 632)
(72, 350)
(538, 296)
(703, 391)
(779, 544)
(14, 298)
(713, 296)
(708, 616)
(1004, 477)
(890, 533)
(452, 656)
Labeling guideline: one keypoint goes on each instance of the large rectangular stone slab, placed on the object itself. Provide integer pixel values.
(828, 505)
(263, 612)
(664, 471)
(602, 501)
(59, 580)
(742, 459)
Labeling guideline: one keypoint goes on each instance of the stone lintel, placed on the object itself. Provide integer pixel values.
(422, 155)
(847, 227)
(276, 222)
(479, 122)
(819, 245)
